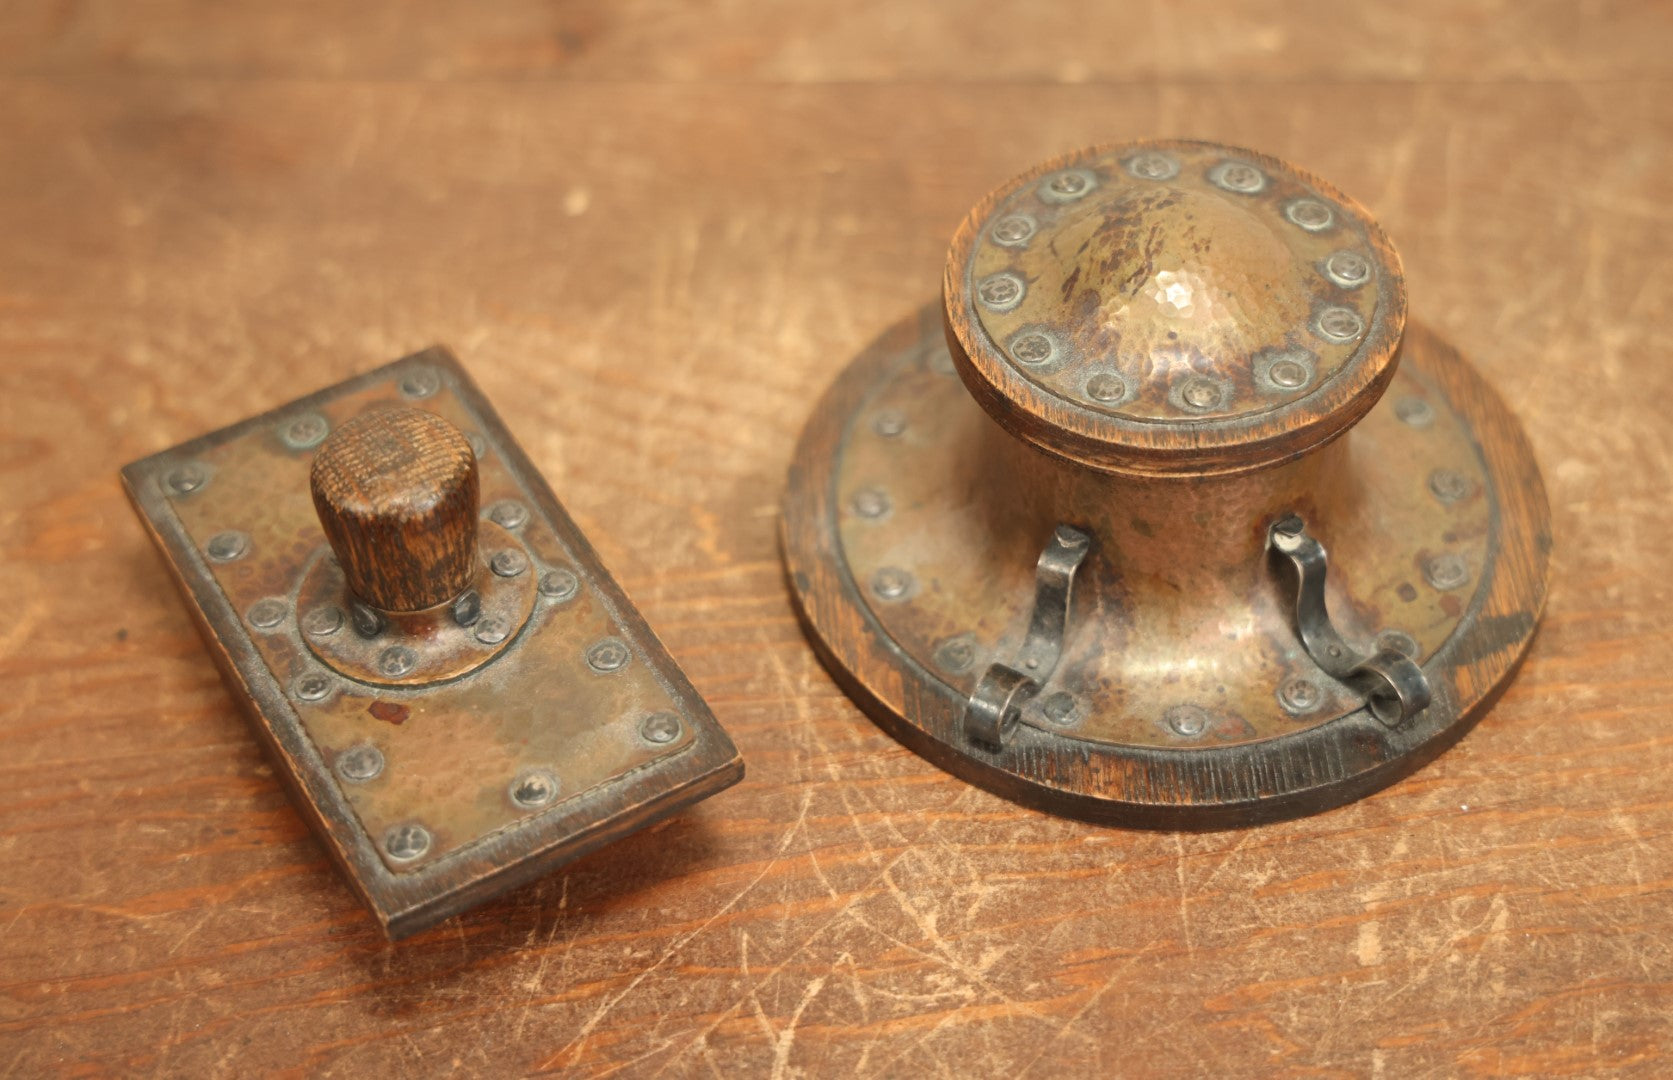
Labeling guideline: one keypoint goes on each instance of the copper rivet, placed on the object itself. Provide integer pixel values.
(1153, 166)
(1200, 394)
(360, 763)
(305, 431)
(1449, 486)
(323, 621)
(1186, 720)
(1397, 641)
(1067, 186)
(1446, 572)
(559, 584)
(870, 503)
(607, 656)
(1013, 230)
(404, 843)
(396, 661)
(660, 728)
(509, 562)
(312, 687)
(1299, 695)
(227, 546)
(185, 479)
(533, 789)
(1348, 269)
(891, 583)
(956, 654)
(492, 630)
(1340, 325)
(1288, 374)
(268, 613)
(1238, 177)
(1309, 214)
(508, 514)
(1106, 388)
(1032, 348)
(478, 447)
(420, 383)
(1061, 708)
(1000, 292)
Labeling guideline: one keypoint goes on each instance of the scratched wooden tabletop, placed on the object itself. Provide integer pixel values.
(654, 233)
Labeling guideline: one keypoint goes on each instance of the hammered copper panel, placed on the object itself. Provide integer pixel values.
(1156, 281)
(451, 751)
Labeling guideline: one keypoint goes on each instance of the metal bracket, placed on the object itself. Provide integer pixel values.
(1395, 687)
(996, 703)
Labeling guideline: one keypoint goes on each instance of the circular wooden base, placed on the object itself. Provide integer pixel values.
(896, 472)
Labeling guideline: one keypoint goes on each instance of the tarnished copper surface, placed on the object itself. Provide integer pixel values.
(491, 760)
(442, 648)
(1109, 298)
(1158, 281)
(1177, 606)
(453, 750)
(1163, 351)
(1184, 696)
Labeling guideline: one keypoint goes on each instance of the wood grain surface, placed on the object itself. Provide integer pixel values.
(655, 233)
(397, 494)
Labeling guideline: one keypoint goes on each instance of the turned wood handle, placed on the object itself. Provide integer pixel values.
(396, 492)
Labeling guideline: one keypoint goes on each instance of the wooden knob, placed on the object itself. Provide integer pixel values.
(396, 492)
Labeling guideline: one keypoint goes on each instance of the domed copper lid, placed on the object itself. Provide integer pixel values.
(1173, 307)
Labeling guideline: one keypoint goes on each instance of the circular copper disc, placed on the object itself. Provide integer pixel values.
(433, 646)
(1173, 308)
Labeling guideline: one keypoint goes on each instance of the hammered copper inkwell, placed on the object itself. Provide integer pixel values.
(455, 690)
(1065, 533)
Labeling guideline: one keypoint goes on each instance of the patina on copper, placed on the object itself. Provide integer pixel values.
(443, 647)
(448, 753)
(1163, 323)
(1169, 347)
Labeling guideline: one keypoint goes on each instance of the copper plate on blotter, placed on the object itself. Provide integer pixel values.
(457, 693)
(1166, 515)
